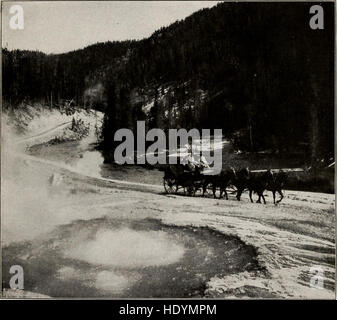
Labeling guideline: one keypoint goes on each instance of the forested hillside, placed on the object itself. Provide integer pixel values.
(255, 70)
(37, 77)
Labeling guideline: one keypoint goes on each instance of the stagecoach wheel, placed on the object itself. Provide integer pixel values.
(170, 186)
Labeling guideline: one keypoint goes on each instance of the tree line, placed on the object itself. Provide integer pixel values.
(256, 70)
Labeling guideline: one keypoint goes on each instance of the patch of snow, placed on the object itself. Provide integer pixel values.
(147, 108)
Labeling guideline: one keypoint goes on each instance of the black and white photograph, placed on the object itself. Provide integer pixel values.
(168, 149)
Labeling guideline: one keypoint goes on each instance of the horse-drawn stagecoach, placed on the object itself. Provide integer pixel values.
(181, 176)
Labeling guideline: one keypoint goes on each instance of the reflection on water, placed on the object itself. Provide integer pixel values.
(128, 248)
(106, 257)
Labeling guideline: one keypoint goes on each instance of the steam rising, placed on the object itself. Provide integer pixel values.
(128, 248)
(29, 205)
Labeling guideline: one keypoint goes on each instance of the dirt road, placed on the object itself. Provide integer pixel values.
(44, 133)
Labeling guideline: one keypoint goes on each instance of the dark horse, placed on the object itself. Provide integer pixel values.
(240, 182)
(221, 181)
(277, 184)
(258, 182)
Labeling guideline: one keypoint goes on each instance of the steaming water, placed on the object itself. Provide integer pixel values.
(109, 258)
(114, 283)
(128, 248)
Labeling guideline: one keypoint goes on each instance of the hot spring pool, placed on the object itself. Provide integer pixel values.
(112, 258)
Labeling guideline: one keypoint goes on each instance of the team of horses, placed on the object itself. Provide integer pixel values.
(254, 181)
